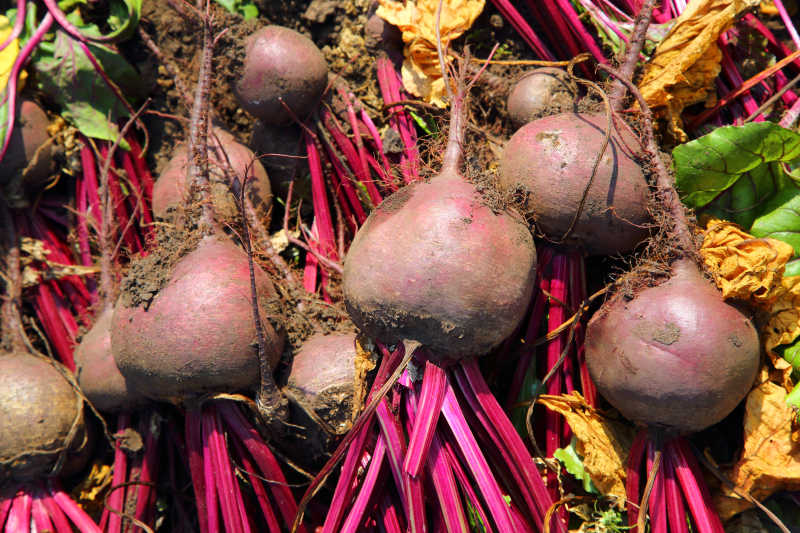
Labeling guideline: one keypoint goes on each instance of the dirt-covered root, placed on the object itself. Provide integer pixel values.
(540, 92)
(42, 420)
(228, 159)
(197, 333)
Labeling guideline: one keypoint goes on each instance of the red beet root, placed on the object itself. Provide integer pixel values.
(28, 161)
(676, 356)
(197, 335)
(281, 64)
(171, 188)
(540, 92)
(97, 372)
(551, 160)
(433, 263)
(39, 410)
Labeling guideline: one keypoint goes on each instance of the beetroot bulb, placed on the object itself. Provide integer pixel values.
(435, 264)
(675, 356)
(197, 335)
(171, 188)
(550, 160)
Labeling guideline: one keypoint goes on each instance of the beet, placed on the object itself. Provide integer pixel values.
(322, 380)
(39, 409)
(197, 335)
(29, 145)
(281, 64)
(434, 264)
(540, 92)
(676, 355)
(170, 190)
(97, 372)
(551, 159)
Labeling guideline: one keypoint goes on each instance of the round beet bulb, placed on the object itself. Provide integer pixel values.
(97, 372)
(170, 189)
(435, 264)
(539, 92)
(281, 65)
(40, 408)
(29, 157)
(550, 161)
(197, 335)
(674, 356)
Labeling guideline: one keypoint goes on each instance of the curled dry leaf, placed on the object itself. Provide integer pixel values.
(685, 64)
(770, 461)
(417, 20)
(602, 442)
(744, 267)
(750, 270)
(9, 54)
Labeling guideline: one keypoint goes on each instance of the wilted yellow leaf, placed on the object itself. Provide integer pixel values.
(744, 267)
(35, 250)
(783, 327)
(9, 54)
(685, 64)
(602, 443)
(417, 20)
(90, 492)
(770, 461)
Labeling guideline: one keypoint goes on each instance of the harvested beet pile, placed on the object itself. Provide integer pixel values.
(389, 266)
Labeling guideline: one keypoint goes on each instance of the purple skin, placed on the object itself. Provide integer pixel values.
(676, 356)
(197, 335)
(539, 92)
(97, 372)
(281, 64)
(39, 408)
(434, 264)
(30, 133)
(170, 188)
(551, 160)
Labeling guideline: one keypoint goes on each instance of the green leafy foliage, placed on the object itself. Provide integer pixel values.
(246, 8)
(742, 174)
(574, 465)
(66, 74)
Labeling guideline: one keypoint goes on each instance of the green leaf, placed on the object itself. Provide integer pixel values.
(574, 465)
(246, 8)
(66, 74)
(791, 354)
(783, 221)
(744, 157)
(793, 398)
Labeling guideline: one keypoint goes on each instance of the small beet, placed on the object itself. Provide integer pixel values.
(281, 65)
(323, 380)
(550, 160)
(171, 188)
(39, 409)
(540, 92)
(380, 35)
(29, 157)
(97, 372)
(197, 335)
(675, 356)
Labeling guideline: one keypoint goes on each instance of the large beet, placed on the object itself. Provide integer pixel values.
(281, 65)
(39, 410)
(197, 335)
(551, 160)
(97, 372)
(434, 264)
(675, 356)
(171, 188)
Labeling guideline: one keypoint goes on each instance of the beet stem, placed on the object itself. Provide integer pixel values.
(78, 516)
(694, 488)
(194, 453)
(634, 48)
(430, 407)
(368, 486)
